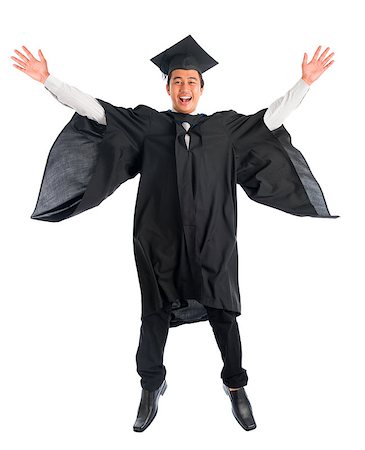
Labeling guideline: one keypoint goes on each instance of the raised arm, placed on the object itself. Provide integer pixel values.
(281, 108)
(84, 104)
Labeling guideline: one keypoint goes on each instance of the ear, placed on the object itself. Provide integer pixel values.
(168, 89)
(201, 90)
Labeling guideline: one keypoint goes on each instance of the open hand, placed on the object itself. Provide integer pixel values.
(313, 70)
(37, 70)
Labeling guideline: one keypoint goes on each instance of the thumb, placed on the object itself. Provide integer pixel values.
(305, 59)
(41, 55)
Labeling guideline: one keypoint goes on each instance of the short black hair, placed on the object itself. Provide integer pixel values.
(200, 76)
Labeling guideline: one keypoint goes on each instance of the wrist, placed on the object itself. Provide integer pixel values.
(307, 81)
(44, 77)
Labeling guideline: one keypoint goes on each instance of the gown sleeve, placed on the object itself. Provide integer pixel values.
(270, 169)
(88, 161)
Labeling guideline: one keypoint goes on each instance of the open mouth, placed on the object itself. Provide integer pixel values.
(185, 100)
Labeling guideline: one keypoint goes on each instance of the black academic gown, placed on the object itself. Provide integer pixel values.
(185, 219)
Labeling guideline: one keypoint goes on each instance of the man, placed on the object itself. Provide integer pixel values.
(185, 218)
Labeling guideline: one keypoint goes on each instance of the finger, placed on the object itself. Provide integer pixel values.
(22, 63)
(323, 54)
(25, 59)
(328, 65)
(328, 58)
(316, 53)
(28, 52)
(20, 68)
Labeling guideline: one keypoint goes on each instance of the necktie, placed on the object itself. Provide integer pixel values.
(186, 126)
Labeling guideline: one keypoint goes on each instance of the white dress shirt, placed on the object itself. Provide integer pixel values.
(86, 105)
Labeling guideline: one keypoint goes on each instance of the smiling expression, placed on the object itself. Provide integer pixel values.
(184, 90)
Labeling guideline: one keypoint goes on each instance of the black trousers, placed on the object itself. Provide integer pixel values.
(153, 336)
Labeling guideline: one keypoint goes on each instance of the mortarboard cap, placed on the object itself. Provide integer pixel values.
(186, 54)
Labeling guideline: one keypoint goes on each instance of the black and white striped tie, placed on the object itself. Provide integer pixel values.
(186, 126)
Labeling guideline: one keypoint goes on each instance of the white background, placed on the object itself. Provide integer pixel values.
(70, 298)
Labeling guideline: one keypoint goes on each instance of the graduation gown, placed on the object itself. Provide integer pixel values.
(185, 220)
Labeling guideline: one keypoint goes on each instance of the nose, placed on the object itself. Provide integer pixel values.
(183, 83)
(183, 87)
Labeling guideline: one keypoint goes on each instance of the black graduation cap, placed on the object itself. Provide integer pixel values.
(186, 54)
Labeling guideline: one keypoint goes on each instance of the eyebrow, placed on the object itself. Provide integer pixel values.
(193, 78)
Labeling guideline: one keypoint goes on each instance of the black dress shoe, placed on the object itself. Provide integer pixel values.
(241, 407)
(148, 407)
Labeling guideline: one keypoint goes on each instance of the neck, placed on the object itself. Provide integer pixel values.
(193, 113)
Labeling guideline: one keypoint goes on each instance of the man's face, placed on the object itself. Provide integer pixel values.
(184, 90)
